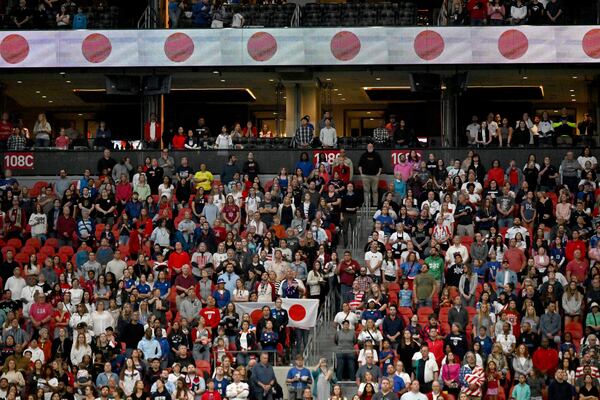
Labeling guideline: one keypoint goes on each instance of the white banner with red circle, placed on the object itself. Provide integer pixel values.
(298, 46)
(302, 313)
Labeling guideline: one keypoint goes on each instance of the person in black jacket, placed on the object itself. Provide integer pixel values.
(559, 388)
(351, 202)
(131, 332)
(370, 167)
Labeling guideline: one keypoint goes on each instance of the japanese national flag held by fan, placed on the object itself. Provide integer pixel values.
(302, 312)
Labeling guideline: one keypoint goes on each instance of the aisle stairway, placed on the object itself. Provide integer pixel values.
(322, 344)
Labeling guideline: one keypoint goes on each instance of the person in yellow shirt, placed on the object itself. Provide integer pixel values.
(203, 178)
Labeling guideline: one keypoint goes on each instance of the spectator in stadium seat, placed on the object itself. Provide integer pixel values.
(426, 370)
(370, 167)
(328, 135)
(16, 141)
(304, 134)
(425, 286)
(458, 314)
(201, 17)
(263, 379)
(555, 13)
(477, 12)
(550, 324)
(559, 388)
(251, 167)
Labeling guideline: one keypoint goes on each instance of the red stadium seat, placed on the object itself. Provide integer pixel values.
(34, 242)
(204, 366)
(52, 242)
(29, 250)
(22, 259)
(48, 250)
(406, 313)
(68, 250)
(14, 242)
(444, 314)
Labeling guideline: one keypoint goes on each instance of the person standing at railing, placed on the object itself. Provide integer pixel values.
(370, 167)
(345, 339)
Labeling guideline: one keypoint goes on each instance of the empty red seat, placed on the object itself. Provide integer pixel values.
(34, 242)
(14, 242)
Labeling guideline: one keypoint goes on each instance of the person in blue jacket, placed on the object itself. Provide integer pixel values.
(201, 14)
(305, 165)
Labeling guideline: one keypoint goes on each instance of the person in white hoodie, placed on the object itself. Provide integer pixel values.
(328, 135)
(237, 390)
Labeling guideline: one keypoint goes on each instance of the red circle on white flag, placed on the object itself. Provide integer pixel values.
(256, 315)
(179, 47)
(96, 48)
(513, 44)
(14, 49)
(345, 45)
(591, 43)
(429, 45)
(297, 312)
(262, 46)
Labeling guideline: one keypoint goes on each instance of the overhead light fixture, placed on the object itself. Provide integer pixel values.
(68, 81)
(222, 80)
(327, 79)
(371, 119)
(274, 113)
(368, 112)
(573, 99)
(335, 89)
(216, 72)
(571, 90)
(50, 101)
(62, 73)
(343, 99)
(378, 79)
(19, 82)
(575, 77)
(285, 97)
(43, 97)
(340, 94)
(37, 92)
(525, 77)
(573, 95)
(555, 111)
(80, 114)
(271, 80)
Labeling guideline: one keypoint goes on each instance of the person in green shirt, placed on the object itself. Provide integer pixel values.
(593, 318)
(521, 390)
(424, 287)
(435, 264)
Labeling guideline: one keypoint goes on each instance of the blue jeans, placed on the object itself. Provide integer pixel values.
(42, 143)
(346, 366)
(505, 222)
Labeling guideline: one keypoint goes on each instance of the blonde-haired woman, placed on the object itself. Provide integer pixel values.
(42, 131)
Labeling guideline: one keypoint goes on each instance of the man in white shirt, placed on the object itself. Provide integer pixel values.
(456, 247)
(426, 368)
(328, 135)
(516, 228)
(15, 284)
(116, 266)
(434, 205)
(36, 352)
(506, 339)
(373, 261)
(414, 393)
(237, 390)
(473, 130)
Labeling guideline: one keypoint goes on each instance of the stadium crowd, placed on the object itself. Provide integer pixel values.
(476, 282)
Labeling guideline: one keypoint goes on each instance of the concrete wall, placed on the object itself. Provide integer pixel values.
(48, 162)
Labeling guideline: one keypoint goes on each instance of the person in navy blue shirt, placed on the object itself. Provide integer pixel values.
(298, 378)
(221, 295)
